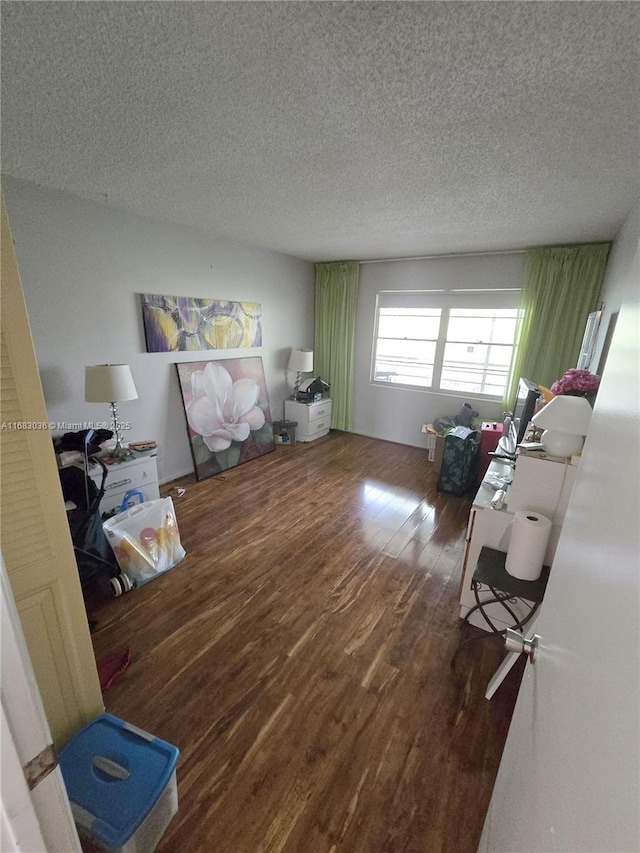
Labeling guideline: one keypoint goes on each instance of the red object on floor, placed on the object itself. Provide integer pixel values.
(111, 666)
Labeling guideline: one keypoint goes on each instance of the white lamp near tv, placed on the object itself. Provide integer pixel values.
(565, 421)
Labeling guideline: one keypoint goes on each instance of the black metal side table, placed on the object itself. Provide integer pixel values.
(491, 573)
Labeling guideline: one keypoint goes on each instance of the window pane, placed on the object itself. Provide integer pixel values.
(478, 350)
(495, 383)
(411, 351)
(404, 362)
(487, 326)
(410, 312)
(466, 354)
(504, 331)
(501, 355)
(485, 312)
(409, 323)
(475, 368)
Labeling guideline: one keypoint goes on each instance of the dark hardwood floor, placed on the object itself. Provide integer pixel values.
(300, 658)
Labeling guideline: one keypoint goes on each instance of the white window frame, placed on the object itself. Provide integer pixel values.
(445, 300)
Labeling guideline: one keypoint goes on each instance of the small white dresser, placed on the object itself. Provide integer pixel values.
(314, 419)
(141, 474)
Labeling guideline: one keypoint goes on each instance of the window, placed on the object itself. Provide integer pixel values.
(406, 345)
(456, 341)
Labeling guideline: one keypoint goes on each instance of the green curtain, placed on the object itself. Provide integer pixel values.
(561, 288)
(335, 322)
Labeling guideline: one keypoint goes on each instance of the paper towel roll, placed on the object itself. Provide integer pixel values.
(529, 540)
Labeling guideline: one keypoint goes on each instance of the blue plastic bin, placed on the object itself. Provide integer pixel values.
(121, 782)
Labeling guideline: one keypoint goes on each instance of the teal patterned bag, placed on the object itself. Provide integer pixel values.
(460, 461)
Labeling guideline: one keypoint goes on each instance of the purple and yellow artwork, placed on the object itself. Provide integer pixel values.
(182, 323)
(226, 406)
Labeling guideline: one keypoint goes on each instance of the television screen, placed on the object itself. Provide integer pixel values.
(525, 406)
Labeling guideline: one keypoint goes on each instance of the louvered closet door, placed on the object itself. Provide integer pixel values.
(35, 539)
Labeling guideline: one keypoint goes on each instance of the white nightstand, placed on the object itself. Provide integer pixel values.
(314, 419)
(140, 473)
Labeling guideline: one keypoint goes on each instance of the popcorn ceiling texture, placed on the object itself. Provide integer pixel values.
(330, 130)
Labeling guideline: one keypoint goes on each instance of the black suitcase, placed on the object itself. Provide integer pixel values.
(460, 461)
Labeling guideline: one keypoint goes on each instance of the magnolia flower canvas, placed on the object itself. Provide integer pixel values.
(226, 406)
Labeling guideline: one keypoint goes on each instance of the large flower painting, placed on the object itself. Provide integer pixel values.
(227, 410)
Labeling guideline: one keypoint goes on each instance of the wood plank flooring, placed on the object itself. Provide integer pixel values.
(300, 658)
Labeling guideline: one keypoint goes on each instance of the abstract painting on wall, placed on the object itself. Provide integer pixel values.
(226, 405)
(180, 323)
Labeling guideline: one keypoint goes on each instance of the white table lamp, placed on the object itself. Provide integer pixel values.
(565, 420)
(300, 360)
(110, 383)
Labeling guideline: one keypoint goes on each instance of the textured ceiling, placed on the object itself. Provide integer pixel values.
(332, 130)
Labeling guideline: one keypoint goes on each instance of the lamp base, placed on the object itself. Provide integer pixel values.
(120, 453)
(558, 443)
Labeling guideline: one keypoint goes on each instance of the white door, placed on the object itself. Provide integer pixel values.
(36, 543)
(569, 780)
(35, 814)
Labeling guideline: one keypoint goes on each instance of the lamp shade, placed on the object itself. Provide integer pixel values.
(565, 414)
(109, 383)
(301, 360)
(565, 419)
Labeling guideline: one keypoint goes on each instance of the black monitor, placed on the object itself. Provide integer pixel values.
(524, 407)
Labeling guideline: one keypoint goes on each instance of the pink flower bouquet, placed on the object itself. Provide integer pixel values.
(576, 382)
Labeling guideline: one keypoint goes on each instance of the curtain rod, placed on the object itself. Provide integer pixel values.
(448, 255)
(480, 254)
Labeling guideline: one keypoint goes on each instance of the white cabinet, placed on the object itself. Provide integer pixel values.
(314, 419)
(540, 484)
(141, 474)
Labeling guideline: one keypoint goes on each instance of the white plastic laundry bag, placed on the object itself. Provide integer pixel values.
(145, 539)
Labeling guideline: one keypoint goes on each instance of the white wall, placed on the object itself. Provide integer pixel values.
(393, 413)
(569, 774)
(82, 265)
